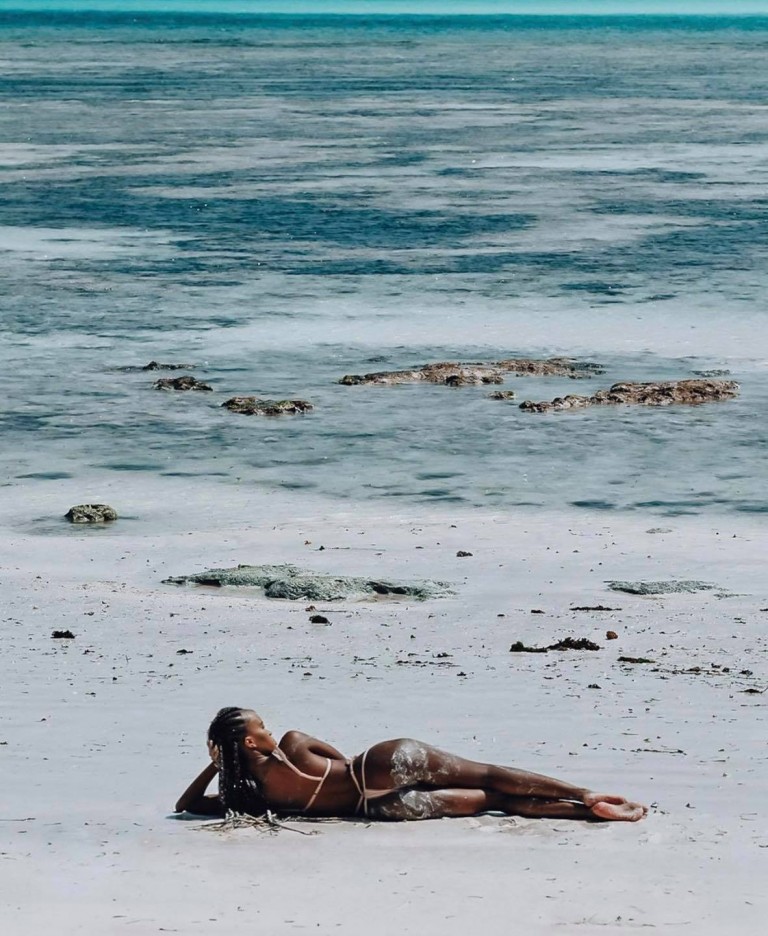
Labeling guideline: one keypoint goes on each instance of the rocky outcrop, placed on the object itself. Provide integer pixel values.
(458, 373)
(471, 379)
(156, 365)
(449, 373)
(571, 401)
(181, 383)
(502, 395)
(550, 367)
(665, 393)
(290, 582)
(253, 406)
(91, 513)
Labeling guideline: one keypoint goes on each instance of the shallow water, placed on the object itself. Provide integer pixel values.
(283, 201)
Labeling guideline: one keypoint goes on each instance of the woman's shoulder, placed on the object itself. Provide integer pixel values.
(292, 738)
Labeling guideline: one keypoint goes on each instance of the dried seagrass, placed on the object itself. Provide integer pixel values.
(268, 823)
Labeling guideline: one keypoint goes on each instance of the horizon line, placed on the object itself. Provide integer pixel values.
(554, 14)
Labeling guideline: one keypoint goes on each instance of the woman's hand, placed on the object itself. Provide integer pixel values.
(215, 754)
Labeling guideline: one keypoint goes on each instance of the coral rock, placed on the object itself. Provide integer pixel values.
(181, 383)
(253, 406)
(91, 513)
(666, 393)
(458, 373)
(156, 365)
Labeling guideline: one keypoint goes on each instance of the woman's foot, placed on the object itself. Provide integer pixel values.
(591, 799)
(618, 812)
(614, 807)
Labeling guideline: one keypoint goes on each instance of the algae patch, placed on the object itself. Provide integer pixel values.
(660, 588)
(293, 583)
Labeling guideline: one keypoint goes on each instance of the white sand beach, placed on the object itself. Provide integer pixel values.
(106, 729)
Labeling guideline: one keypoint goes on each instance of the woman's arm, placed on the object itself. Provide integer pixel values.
(194, 800)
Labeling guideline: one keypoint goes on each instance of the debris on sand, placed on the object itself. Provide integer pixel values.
(91, 513)
(629, 659)
(661, 588)
(63, 635)
(594, 608)
(253, 406)
(462, 554)
(519, 647)
(572, 643)
(292, 583)
(318, 619)
(611, 635)
(186, 382)
(665, 393)
(568, 643)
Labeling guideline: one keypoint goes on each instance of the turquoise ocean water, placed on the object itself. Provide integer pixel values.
(284, 200)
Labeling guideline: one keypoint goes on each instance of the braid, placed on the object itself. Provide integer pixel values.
(238, 791)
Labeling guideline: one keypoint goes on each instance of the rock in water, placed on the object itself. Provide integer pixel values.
(452, 374)
(502, 395)
(91, 513)
(669, 392)
(570, 401)
(181, 383)
(550, 367)
(473, 379)
(666, 393)
(292, 583)
(460, 374)
(253, 406)
(156, 365)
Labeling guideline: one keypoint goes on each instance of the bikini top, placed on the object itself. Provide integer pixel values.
(283, 758)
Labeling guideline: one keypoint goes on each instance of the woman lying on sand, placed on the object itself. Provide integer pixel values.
(401, 779)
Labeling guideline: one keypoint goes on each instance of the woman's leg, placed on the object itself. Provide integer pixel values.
(407, 763)
(414, 804)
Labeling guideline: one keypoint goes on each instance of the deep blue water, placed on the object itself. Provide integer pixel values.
(284, 200)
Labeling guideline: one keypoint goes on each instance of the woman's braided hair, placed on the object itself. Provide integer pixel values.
(238, 791)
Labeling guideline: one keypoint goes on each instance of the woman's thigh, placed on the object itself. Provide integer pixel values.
(414, 804)
(405, 762)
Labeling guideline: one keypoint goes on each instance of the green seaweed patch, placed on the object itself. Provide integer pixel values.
(292, 583)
